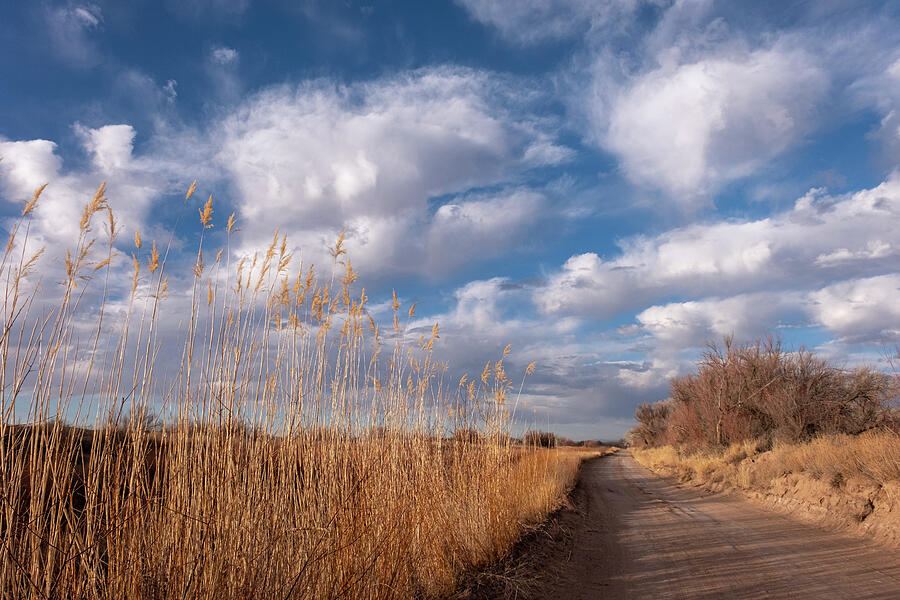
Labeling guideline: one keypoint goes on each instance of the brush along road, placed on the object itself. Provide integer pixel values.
(636, 535)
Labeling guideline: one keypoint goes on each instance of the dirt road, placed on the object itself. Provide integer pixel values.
(633, 534)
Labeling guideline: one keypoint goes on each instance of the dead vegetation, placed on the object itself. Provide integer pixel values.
(873, 456)
(803, 413)
(760, 390)
(523, 571)
(290, 452)
(761, 419)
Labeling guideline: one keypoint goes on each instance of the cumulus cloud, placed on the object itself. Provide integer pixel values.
(860, 310)
(857, 311)
(671, 333)
(318, 157)
(534, 21)
(133, 182)
(821, 239)
(799, 268)
(482, 227)
(578, 377)
(111, 145)
(315, 158)
(691, 324)
(695, 95)
(688, 128)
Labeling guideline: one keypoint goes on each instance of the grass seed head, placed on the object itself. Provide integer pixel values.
(206, 214)
(153, 261)
(103, 263)
(338, 249)
(97, 203)
(30, 204)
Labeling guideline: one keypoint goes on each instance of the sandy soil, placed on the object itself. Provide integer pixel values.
(632, 534)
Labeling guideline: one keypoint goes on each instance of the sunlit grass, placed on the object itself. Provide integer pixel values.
(874, 456)
(294, 449)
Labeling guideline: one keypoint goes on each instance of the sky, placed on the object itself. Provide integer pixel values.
(605, 185)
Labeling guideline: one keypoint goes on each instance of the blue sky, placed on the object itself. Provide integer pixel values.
(605, 185)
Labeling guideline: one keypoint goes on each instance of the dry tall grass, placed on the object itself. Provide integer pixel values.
(873, 456)
(302, 455)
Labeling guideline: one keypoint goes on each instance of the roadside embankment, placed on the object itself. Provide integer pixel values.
(850, 482)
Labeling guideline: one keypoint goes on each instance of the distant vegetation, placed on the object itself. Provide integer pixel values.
(759, 390)
(290, 452)
(753, 413)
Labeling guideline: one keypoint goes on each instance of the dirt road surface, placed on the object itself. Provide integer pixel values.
(633, 534)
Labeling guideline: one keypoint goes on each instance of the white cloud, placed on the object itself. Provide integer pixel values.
(132, 182)
(873, 249)
(881, 89)
(821, 239)
(692, 96)
(111, 145)
(533, 21)
(226, 85)
(88, 16)
(860, 309)
(544, 152)
(689, 128)
(169, 90)
(691, 324)
(143, 95)
(578, 378)
(72, 29)
(224, 55)
(481, 227)
(674, 331)
(857, 311)
(316, 158)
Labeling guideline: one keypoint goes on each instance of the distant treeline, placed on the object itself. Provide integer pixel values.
(533, 438)
(761, 390)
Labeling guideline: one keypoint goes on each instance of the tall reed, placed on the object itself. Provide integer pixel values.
(276, 444)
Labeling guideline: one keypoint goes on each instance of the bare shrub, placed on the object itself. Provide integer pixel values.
(140, 417)
(760, 390)
(652, 428)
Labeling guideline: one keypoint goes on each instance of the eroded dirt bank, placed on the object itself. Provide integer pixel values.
(632, 534)
(859, 506)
